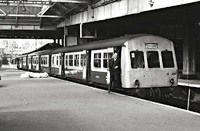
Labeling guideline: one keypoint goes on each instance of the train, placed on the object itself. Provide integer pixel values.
(148, 65)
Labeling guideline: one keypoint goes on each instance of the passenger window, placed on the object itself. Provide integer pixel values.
(29, 60)
(137, 59)
(105, 60)
(167, 59)
(153, 59)
(83, 59)
(66, 60)
(46, 60)
(76, 60)
(37, 61)
(97, 60)
(60, 60)
(106, 57)
(57, 60)
(52, 60)
(70, 60)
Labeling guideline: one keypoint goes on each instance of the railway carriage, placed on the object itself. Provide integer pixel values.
(70, 63)
(147, 63)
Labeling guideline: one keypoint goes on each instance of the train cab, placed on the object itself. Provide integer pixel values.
(148, 61)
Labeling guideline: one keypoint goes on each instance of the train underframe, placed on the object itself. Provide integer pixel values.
(153, 93)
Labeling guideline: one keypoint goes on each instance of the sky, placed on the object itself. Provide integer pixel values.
(25, 45)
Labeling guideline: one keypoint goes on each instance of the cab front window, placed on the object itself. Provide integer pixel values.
(167, 59)
(153, 59)
(137, 59)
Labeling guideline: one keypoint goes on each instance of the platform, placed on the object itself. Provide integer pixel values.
(50, 104)
(189, 83)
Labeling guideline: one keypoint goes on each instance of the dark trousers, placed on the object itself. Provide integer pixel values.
(115, 81)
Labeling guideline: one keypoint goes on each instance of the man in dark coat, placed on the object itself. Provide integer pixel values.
(114, 68)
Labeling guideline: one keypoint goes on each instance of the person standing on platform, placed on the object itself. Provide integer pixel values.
(114, 68)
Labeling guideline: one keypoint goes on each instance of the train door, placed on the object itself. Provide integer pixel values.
(88, 65)
(52, 64)
(83, 64)
(37, 63)
(49, 65)
(62, 64)
(29, 62)
(59, 59)
(118, 51)
(55, 64)
(40, 68)
(99, 72)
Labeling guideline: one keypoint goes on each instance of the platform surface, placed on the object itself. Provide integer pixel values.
(189, 83)
(50, 104)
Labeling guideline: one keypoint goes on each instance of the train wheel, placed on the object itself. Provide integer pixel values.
(158, 94)
(143, 93)
(155, 94)
(152, 94)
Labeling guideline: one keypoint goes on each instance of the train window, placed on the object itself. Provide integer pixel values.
(137, 59)
(46, 60)
(97, 60)
(37, 61)
(70, 60)
(57, 60)
(60, 60)
(76, 60)
(52, 60)
(83, 59)
(153, 59)
(66, 60)
(167, 59)
(105, 60)
(106, 57)
(29, 60)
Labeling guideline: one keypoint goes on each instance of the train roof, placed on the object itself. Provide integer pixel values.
(45, 47)
(42, 52)
(114, 42)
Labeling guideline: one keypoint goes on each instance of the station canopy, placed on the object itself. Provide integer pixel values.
(36, 14)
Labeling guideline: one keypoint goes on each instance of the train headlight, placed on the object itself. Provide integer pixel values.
(137, 83)
(172, 81)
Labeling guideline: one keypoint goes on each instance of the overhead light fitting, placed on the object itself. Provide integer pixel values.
(151, 3)
(23, 7)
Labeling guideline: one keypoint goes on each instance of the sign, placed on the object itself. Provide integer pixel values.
(151, 45)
